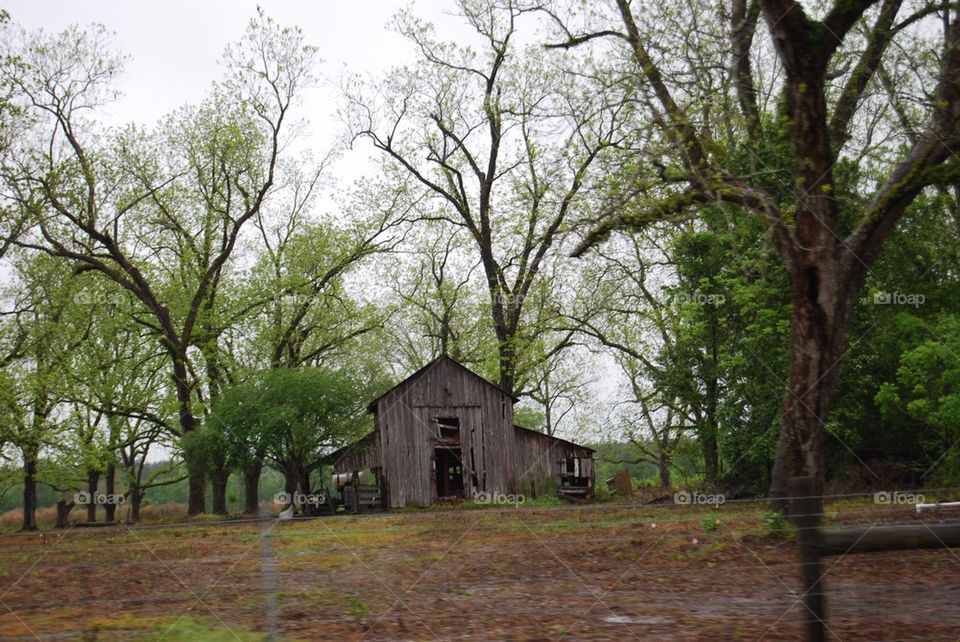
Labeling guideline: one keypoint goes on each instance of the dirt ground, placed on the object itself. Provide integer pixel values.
(604, 572)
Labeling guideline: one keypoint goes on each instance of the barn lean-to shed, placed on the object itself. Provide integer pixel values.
(446, 432)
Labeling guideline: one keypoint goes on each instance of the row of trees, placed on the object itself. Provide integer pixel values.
(175, 287)
(763, 153)
(154, 268)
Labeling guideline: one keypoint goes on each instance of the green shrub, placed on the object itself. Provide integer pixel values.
(711, 523)
(601, 492)
(775, 523)
(549, 487)
(526, 487)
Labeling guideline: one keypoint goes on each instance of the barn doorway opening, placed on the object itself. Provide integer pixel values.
(449, 472)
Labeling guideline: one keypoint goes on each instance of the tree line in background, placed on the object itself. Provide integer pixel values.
(763, 199)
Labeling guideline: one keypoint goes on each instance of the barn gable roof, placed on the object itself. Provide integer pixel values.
(365, 450)
(542, 435)
(371, 407)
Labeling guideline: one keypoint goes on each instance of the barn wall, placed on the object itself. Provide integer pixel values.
(363, 454)
(406, 421)
(538, 456)
(404, 450)
(498, 442)
(501, 457)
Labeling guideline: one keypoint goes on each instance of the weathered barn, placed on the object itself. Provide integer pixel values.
(446, 432)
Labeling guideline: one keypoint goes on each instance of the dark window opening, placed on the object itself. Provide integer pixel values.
(449, 427)
(572, 473)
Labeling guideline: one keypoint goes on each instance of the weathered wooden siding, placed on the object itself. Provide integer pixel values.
(496, 457)
(538, 456)
(498, 442)
(407, 425)
(358, 456)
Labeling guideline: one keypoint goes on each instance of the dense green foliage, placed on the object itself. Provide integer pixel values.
(193, 312)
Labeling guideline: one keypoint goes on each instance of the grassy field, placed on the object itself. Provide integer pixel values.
(610, 571)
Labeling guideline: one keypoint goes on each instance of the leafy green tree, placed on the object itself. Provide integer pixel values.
(208, 451)
(47, 329)
(438, 300)
(159, 214)
(291, 418)
(240, 421)
(297, 306)
(927, 393)
(627, 310)
(500, 141)
(828, 60)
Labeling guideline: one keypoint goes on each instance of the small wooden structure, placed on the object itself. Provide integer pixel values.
(541, 457)
(445, 433)
(620, 483)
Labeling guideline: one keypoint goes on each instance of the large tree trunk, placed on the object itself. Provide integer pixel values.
(817, 343)
(219, 482)
(291, 477)
(663, 467)
(548, 416)
(136, 499)
(251, 488)
(110, 508)
(304, 484)
(809, 253)
(63, 513)
(93, 481)
(29, 493)
(197, 499)
(708, 445)
(507, 355)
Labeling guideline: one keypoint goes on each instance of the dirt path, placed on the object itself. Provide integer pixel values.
(597, 573)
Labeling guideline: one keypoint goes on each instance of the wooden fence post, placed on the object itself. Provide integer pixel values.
(805, 515)
(356, 491)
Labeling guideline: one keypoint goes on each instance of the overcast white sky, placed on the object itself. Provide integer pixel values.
(174, 47)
